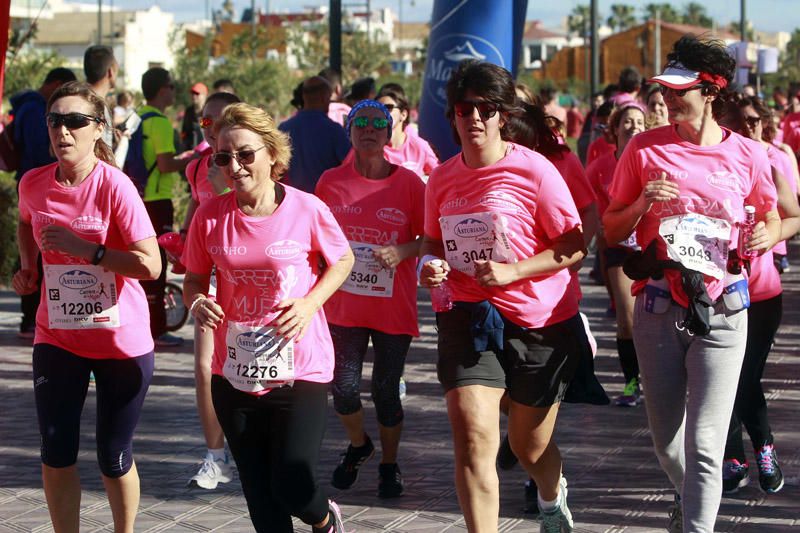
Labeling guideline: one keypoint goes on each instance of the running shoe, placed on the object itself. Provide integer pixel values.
(770, 476)
(168, 341)
(676, 517)
(336, 517)
(734, 475)
(211, 473)
(558, 520)
(506, 460)
(631, 394)
(390, 481)
(531, 498)
(346, 473)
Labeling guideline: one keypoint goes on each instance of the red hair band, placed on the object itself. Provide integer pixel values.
(716, 79)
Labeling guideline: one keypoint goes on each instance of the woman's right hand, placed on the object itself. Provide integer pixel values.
(433, 273)
(25, 282)
(207, 313)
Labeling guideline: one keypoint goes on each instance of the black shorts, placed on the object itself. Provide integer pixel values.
(535, 365)
(615, 256)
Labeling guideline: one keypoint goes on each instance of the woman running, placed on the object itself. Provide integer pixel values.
(625, 122)
(205, 182)
(96, 241)
(380, 208)
(502, 222)
(273, 356)
(683, 189)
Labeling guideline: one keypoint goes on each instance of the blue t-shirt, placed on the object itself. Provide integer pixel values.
(318, 143)
(30, 131)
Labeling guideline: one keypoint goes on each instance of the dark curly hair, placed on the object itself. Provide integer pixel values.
(532, 131)
(487, 80)
(706, 55)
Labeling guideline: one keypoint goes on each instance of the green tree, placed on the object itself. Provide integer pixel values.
(622, 17)
(696, 15)
(27, 69)
(667, 13)
(579, 21)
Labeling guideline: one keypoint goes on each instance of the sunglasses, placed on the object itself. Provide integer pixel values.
(377, 123)
(752, 122)
(244, 157)
(486, 110)
(73, 121)
(392, 107)
(679, 92)
(206, 122)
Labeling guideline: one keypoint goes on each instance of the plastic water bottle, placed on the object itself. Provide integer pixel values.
(745, 231)
(441, 297)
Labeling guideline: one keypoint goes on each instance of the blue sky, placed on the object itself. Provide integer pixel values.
(767, 15)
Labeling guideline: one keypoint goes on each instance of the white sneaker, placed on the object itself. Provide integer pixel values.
(558, 520)
(211, 473)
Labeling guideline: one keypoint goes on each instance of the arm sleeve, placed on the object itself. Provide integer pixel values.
(327, 237)
(191, 176)
(626, 186)
(195, 254)
(555, 210)
(763, 196)
(417, 205)
(432, 227)
(578, 183)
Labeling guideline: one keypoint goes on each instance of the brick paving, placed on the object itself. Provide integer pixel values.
(615, 482)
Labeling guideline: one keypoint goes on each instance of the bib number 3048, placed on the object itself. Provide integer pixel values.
(697, 242)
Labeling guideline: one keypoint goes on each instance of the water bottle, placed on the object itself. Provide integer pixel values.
(735, 292)
(441, 297)
(745, 231)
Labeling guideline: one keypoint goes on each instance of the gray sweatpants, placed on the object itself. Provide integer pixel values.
(690, 387)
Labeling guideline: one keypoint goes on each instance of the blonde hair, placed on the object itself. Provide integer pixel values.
(259, 122)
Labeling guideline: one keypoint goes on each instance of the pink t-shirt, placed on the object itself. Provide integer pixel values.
(600, 173)
(780, 160)
(415, 154)
(525, 192)
(197, 175)
(104, 208)
(791, 131)
(337, 112)
(764, 281)
(263, 260)
(715, 181)
(376, 212)
(599, 147)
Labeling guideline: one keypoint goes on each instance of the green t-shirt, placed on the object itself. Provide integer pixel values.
(158, 139)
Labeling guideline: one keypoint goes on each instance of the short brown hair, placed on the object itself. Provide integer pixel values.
(259, 122)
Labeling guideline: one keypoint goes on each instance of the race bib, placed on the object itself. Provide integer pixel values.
(81, 297)
(368, 277)
(630, 242)
(697, 242)
(258, 358)
(475, 237)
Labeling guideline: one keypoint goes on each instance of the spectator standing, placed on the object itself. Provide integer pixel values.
(224, 85)
(191, 133)
(338, 110)
(101, 68)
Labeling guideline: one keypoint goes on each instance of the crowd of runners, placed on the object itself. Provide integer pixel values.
(305, 243)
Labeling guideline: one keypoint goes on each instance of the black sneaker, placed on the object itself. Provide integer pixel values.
(390, 481)
(347, 472)
(734, 475)
(531, 497)
(506, 460)
(770, 476)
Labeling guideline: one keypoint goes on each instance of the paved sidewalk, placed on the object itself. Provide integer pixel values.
(615, 482)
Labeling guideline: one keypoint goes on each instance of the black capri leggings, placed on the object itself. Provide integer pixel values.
(275, 441)
(60, 382)
(350, 345)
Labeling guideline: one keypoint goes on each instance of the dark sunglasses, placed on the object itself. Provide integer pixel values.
(377, 123)
(206, 122)
(486, 110)
(680, 92)
(752, 122)
(244, 157)
(73, 121)
(392, 107)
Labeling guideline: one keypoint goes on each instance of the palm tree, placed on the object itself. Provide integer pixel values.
(667, 13)
(622, 17)
(579, 20)
(695, 14)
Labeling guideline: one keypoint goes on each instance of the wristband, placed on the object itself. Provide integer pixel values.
(196, 302)
(425, 259)
(99, 254)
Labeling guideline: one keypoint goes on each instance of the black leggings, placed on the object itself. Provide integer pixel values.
(350, 345)
(275, 441)
(60, 382)
(161, 215)
(750, 408)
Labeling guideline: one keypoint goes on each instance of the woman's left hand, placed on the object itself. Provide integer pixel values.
(60, 239)
(759, 239)
(388, 256)
(492, 274)
(295, 316)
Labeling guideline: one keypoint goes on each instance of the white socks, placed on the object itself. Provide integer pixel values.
(218, 454)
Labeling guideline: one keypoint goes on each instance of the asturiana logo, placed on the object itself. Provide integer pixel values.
(363, 254)
(470, 227)
(284, 249)
(254, 341)
(724, 180)
(392, 216)
(89, 224)
(77, 279)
